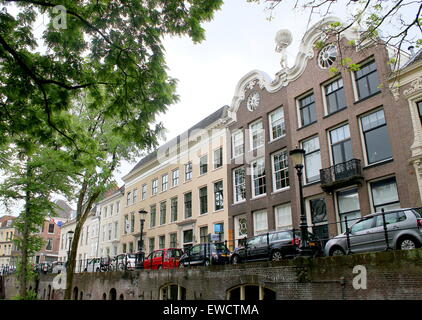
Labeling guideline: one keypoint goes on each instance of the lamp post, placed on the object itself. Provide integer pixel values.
(143, 214)
(70, 237)
(297, 159)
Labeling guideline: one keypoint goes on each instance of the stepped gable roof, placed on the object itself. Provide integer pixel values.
(219, 114)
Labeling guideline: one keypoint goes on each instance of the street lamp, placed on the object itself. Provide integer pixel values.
(297, 159)
(143, 214)
(70, 237)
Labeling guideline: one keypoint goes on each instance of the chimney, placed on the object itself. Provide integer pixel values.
(412, 51)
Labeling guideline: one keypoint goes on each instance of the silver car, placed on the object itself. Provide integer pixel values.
(404, 228)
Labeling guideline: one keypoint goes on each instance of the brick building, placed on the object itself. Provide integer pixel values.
(355, 134)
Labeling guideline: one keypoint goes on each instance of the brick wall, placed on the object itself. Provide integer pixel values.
(390, 275)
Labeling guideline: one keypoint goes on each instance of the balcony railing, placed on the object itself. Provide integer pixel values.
(341, 175)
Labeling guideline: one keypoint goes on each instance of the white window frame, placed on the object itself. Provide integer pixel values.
(287, 227)
(253, 180)
(271, 124)
(274, 173)
(256, 232)
(304, 158)
(235, 185)
(324, 98)
(251, 134)
(175, 178)
(164, 182)
(234, 145)
(155, 181)
(144, 191)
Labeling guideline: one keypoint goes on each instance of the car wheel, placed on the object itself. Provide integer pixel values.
(98, 270)
(337, 251)
(235, 259)
(276, 256)
(407, 244)
(207, 263)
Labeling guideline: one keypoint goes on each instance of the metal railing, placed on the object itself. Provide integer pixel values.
(341, 172)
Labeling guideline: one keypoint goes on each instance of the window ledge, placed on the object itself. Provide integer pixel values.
(258, 197)
(305, 126)
(312, 183)
(219, 210)
(367, 97)
(281, 190)
(277, 139)
(238, 202)
(335, 112)
(379, 163)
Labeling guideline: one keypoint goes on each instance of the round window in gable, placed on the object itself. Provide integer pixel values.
(327, 56)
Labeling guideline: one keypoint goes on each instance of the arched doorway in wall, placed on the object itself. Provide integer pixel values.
(172, 291)
(81, 295)
(113, 294)
(49, 292)
(250, 292)
(75, 293)
(52, 294)
(121, 297)
(104, 296)
(44, 293)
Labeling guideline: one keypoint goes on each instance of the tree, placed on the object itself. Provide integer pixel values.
(399, 20)
(122, 40)
(32, 174)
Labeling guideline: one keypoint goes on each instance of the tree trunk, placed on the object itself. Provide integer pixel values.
(25, 235)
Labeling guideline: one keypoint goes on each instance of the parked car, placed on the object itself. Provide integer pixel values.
(275, 245)
(125, 261)
(45, 267)
(163, 259)
(58, 267)
(205, 254)
(404, 229)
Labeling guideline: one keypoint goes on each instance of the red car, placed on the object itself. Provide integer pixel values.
(163, 259)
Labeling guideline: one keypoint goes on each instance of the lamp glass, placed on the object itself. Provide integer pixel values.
(297, 156)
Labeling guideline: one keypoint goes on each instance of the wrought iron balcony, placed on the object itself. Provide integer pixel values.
(341, 175)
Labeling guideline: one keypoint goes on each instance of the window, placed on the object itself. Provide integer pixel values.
(277, 126)
(307, 110)
(258, 181)
(124, 248)
(367, 80)
(280, 162)
(318, 211)
(130, 247)
(188, 205)
(173, 240)
(175, 177)
(237, 143)
(51, 228)
(334, 96)
(348, 206)
(151, 244)
(153, 215)
(385, 195)
(126, 226)
(239, 184)
(390, 218)
(203, 234)
(283, 216)
(111, 209)
(135, 197)
(203, 164)
(127, 202)
(132, 222)
(375, 133)
(218, 158)
(161, 242)
(187, 239)
(116, 225)
(203, 200)
(363, 225)
(49, 245)
(219, 229)
(312, 159)
(173, 208)
(117, 207)
(341, 144)
(188, 171)
(109, 231)
(257, 134)
(154, 186)
(164, 182)
(163, 209)
(218, 196)
(144, 191)
(420, 109)
(260, 222)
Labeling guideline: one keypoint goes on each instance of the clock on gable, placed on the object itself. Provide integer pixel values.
(253, 100)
